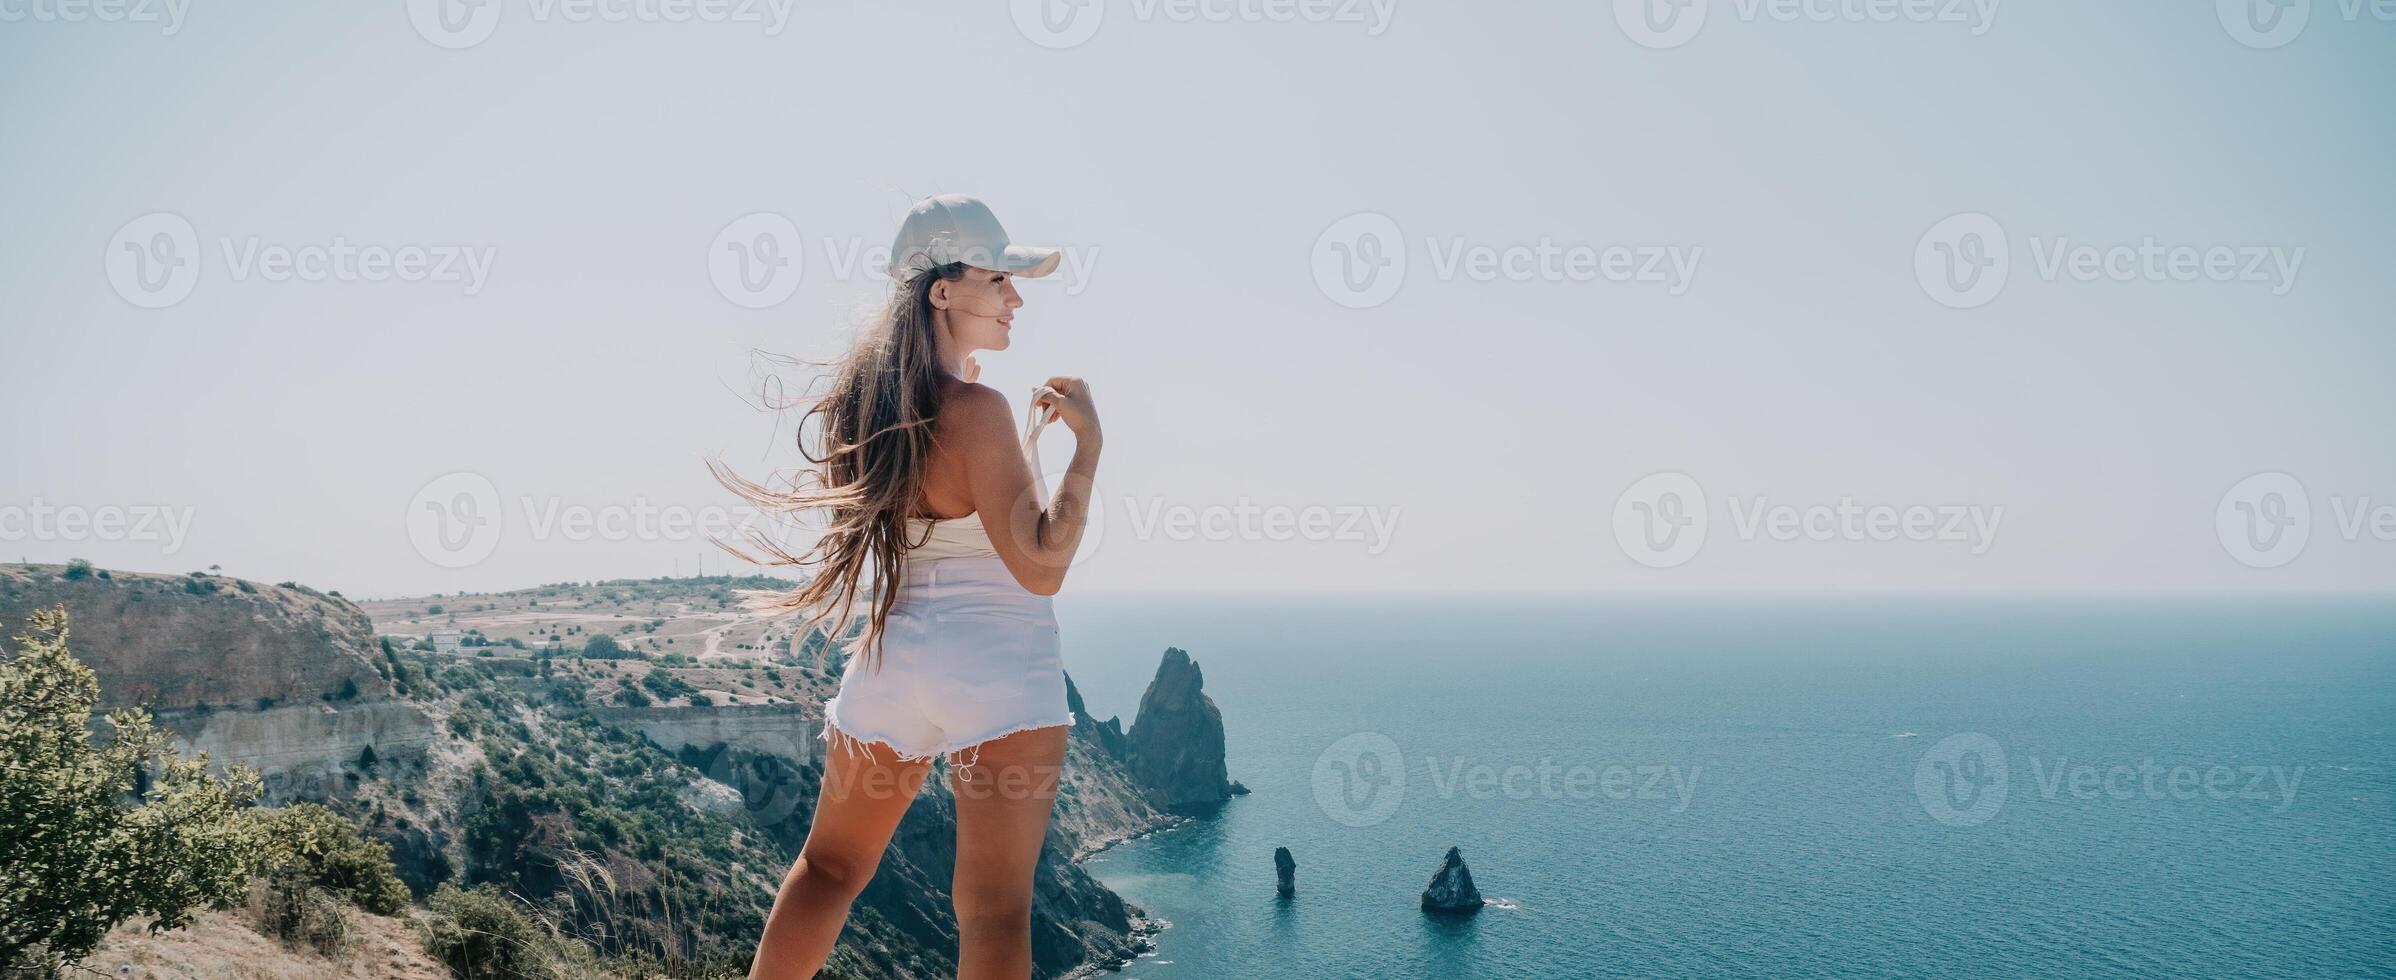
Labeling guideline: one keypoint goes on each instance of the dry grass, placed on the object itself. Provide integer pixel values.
(222, 946)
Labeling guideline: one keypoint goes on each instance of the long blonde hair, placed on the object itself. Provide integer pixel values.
(874, 430)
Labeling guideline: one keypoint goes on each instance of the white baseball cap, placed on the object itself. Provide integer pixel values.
(955, 228)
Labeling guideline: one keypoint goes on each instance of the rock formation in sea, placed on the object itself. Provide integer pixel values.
(1285, 871)
(1176, 742)
(1451, 889)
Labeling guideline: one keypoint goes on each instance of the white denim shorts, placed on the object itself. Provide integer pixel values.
(967, 656)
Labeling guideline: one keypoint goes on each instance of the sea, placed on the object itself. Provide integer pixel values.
(1772, 785)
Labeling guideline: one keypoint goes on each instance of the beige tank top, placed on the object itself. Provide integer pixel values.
(964, 537)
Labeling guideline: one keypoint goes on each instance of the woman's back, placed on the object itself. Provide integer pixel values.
(953, 537)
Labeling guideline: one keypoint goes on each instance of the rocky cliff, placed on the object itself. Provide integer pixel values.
(179, 643)
(276, 677)
(1176, 743)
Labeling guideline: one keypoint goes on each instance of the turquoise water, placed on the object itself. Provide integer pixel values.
(1730, 788)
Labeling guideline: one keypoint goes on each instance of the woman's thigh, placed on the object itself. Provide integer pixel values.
(1004, 793)
(866, 789)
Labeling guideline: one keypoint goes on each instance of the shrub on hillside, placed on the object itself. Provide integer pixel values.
(323, 849)
(285, 904)
(481, 935)
(99, 829)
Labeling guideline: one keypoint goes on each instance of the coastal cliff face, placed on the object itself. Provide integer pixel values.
(178, 643)
(282, 679)
(1176, 743)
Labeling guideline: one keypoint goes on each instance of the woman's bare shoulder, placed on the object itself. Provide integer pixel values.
(971, 408)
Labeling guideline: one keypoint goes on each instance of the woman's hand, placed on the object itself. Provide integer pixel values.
(1068, 399)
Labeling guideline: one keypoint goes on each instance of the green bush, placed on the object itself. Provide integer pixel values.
(98, 830)
(481, 935)
(666, 686)
(324, 850)
(287, 906)
(78, 570)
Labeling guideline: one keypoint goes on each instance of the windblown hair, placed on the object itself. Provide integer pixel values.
(873, 430)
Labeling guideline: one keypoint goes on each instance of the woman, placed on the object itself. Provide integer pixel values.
(928, 488)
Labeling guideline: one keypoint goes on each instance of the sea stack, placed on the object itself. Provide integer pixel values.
(1285, 872)
(1452, 888)
(1176, 741)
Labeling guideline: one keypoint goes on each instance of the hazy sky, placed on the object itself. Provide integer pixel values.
(1388, 295)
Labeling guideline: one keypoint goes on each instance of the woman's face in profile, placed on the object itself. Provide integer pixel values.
(980, 306)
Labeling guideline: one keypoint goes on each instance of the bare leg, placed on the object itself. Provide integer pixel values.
(1003, 801)
(864, 795)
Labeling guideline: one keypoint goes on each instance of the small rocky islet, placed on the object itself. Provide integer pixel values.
(1451, 891)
